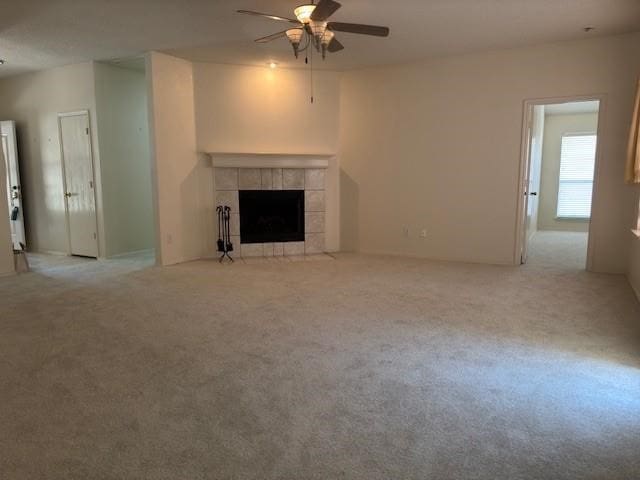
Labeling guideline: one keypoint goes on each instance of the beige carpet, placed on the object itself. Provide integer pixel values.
(558, 249)
(356, 368)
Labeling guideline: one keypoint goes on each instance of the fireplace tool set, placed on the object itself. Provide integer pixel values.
(224, 232)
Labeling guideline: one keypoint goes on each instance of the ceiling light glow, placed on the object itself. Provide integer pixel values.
(303, 13)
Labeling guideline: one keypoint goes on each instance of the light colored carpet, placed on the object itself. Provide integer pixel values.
(360, 368)
(559, 249)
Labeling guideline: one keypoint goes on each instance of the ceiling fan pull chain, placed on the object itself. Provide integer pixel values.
(311, 73)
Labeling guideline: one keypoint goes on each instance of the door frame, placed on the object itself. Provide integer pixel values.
(77, 113)
(12, 141)
(523, 176)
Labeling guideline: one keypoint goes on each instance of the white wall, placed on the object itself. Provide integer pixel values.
(34, 101)
(121, 101)
(436, 145)
(181, 179)
(6, 247)
(258, 109)
(555, 127)
(244, 109)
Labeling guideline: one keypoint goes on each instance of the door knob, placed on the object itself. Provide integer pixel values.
(67, 194)
(534, 193)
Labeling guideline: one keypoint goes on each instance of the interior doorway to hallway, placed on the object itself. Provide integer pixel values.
(82, 146)
(560, 153)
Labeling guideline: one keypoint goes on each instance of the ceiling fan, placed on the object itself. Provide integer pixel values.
(312, 28)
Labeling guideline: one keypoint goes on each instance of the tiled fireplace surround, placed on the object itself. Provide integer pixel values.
(228, 181)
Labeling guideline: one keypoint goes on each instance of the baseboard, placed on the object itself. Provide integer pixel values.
(470, 261)
(49, 252)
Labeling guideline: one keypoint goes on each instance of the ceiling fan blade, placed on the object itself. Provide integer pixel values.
(324, 9)
(274, 36)
(335, 45)
(266, 15)
(359, 28)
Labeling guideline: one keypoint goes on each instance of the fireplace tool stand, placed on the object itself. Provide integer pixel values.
(224, 232)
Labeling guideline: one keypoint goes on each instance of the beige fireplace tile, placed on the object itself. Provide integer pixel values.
(278, 249)
(228, 198)
(268, 250)
(294, 248)
(226, 178)
(314, 179)
(293, 178)
(277, 178)
(314, 201)
(314, 222)
(249, 179)
(235, 240)
(234, 224)
(313, 243)
(252, 250)
(267, 178)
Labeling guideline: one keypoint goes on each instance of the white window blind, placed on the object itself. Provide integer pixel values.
(577, 165)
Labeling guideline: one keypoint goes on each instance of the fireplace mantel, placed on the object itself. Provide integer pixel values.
(269, 160)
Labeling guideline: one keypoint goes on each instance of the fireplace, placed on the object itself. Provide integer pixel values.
(271, 216)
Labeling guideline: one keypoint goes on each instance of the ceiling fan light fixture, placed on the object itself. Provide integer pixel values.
(295, 37)
(303, 13)
(327, 37)
(317, 30)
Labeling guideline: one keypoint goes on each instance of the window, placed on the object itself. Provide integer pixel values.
(577, 165)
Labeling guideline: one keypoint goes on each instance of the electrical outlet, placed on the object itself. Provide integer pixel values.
(405, 231)
(423, 233)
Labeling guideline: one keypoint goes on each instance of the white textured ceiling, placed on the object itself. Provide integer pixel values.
(37, 34)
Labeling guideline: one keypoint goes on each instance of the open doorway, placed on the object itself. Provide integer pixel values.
(125, 157)
(560, 157)
(78, 157)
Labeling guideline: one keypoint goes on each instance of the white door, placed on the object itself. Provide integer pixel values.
(534, 173)
(14, 188)
(80, 202)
